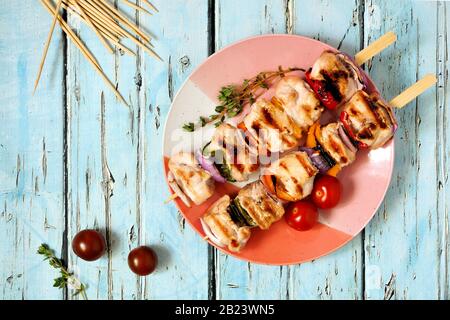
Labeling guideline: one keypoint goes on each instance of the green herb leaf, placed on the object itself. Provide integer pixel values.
(189, 127)
(203, 121)
(233, 98)
(61, 281)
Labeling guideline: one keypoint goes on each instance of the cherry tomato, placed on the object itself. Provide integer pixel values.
(142, 260)
(326, 192)
(302, 215)
(89, 245)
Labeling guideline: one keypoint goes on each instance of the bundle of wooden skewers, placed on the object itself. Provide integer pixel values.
(109, 24)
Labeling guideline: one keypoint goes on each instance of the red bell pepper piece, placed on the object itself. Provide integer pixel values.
(324, 95)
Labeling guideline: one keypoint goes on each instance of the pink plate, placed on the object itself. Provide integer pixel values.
(365, 181)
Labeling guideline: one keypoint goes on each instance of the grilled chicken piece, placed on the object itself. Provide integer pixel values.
(194, 182)
(368, 120)
(221, 229)
(259, 205)
(338, 75)
(233, 153)
(332, 143)
(299, 101)
(291, 176)
(271, 126)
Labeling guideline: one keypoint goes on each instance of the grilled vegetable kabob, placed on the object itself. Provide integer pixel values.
(228, 222)
(188, 180)
(293, 110)
(278, 125)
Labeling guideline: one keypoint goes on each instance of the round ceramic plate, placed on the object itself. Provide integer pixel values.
(365, 181)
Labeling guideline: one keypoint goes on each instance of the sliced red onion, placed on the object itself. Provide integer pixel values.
(210, 234)
(208, 165)
(308, 151)
(394, 128)
(344, 137)
(319, 162)
(173, 184)
(361, 75)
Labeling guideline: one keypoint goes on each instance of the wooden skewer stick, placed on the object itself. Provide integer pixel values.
(172, 197)
(375, 47)
(120, 17)
(136, 41)
(102, 28)
(70, 33)
(47, 45)
(136, 7)
(89, 22)
(101, 18)
(151, 5)
(413, 91)
(97, 22)
(84, 51)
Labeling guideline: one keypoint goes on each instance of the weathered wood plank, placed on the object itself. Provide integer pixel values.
(404, 242)
(31, 151)
(442, 141)
(338, 275)
(181, 29)
(104, 156)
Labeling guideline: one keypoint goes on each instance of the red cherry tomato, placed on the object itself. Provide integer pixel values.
(89, 245)
(142, 260)
(326, 192)
(302, 215)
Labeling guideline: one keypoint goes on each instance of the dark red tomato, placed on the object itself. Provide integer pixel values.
(89, 245)
(326, 192)
(142, 260)
(302, 215)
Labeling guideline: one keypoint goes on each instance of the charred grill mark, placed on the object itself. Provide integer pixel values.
(337, 147)
(299, 189)
(375, 108)
(311, 172)
(256, 126)
(284, 166)
(274, 180)
(251, 210)
(330, 83)
(365, 133)
(269, 119)
(298, 186)
(218, 223)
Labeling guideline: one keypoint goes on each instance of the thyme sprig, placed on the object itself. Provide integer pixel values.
(233, 98)
(66, 278)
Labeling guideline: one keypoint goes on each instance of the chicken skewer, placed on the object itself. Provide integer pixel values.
(260, 203)
(188, 180)
(278, 124)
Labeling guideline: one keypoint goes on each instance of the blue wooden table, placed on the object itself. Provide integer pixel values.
(72, 157)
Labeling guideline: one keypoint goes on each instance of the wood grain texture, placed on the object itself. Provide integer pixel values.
(31, 166)
(103, 175)
(406, 240)
(182, 41)
(73, 157)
